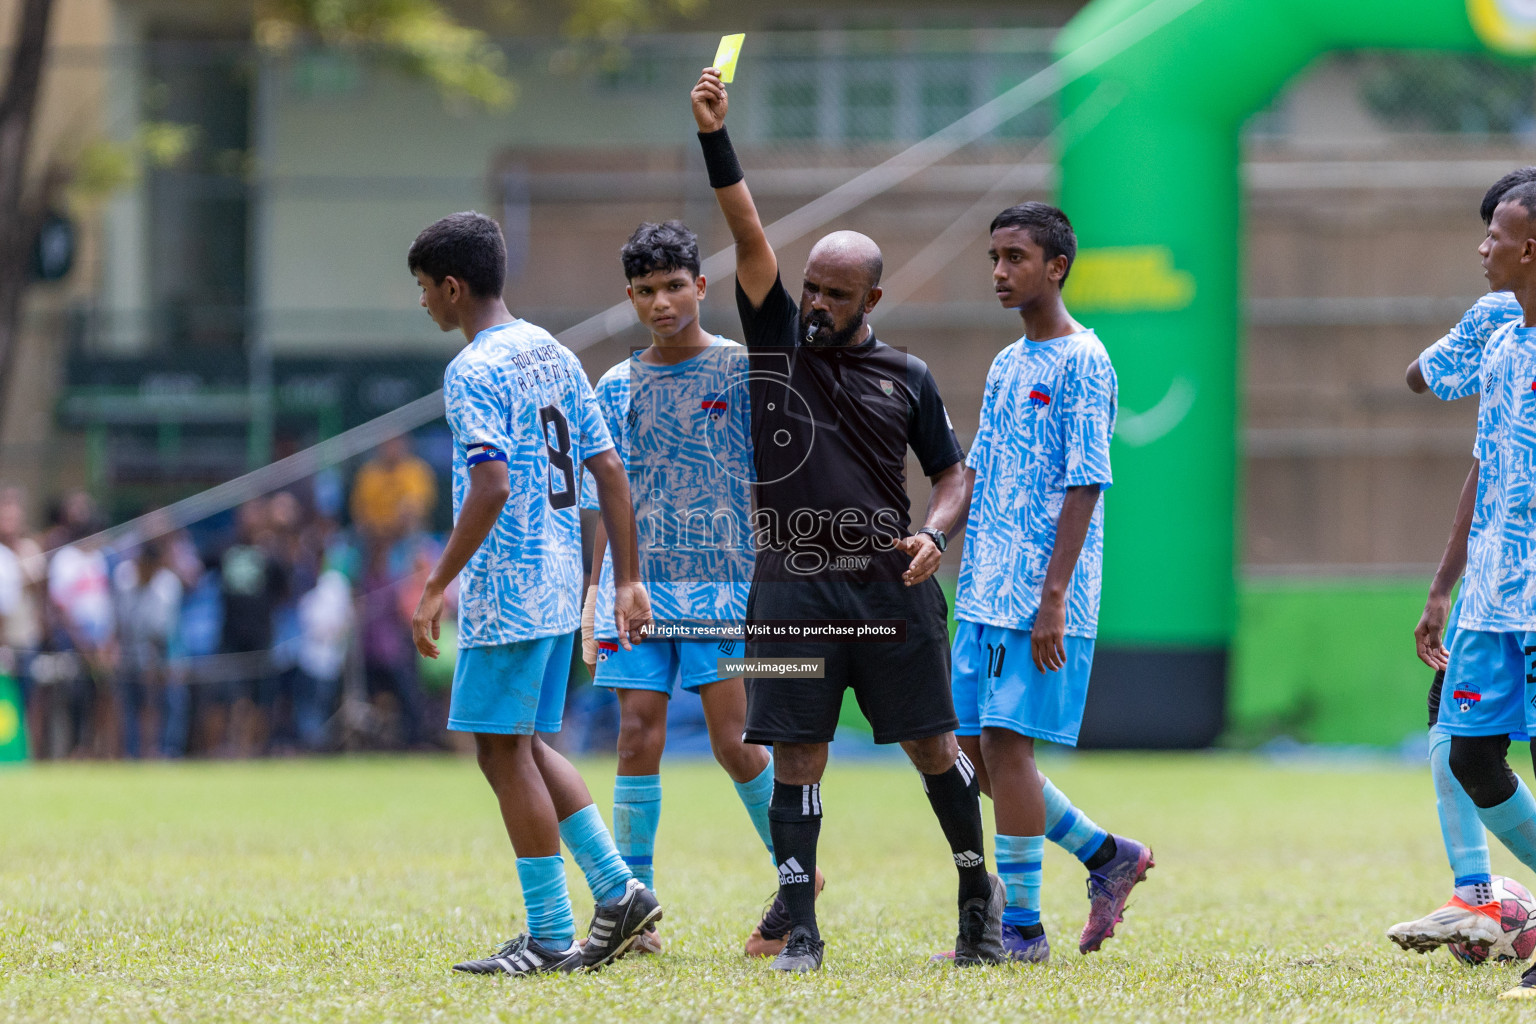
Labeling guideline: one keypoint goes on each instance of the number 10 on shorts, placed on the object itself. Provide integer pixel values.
(995, 653)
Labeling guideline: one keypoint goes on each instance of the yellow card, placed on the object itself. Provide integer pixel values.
(727, 55)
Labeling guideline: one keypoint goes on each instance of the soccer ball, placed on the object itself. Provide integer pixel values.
(1519, 938)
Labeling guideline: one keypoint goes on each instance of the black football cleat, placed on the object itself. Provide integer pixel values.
(617, 923)
(525, 955)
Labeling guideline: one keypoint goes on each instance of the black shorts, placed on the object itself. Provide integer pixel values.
(901, 687)
(1434, 697)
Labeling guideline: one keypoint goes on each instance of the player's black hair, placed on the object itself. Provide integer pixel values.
(1518, 176)
(1525, 195)
(467, 246)
(1047, 225)
(653, 247)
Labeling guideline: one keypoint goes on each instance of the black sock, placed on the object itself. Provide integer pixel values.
(956, 800)
(1103, 855)
(794, 820)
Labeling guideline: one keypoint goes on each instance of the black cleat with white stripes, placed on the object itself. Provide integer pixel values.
(617, 923)
(525, 955)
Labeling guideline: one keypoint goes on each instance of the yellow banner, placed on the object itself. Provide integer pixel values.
(1508, 26)
(1129, 279)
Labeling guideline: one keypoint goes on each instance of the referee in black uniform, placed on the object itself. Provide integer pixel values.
(833, 413)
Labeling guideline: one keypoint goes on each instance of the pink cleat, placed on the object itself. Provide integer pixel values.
(1109, 888)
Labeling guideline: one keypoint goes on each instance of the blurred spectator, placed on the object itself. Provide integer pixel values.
(24, 623)
(233, 650)
(325, 634)
(12, 595)
(71, 518)
(196, 642)
(81, 622)
(389, 654)
(393, 492)
(287, 543)
(23, 627)
(251, 583)
(434, 676)
(148, 604)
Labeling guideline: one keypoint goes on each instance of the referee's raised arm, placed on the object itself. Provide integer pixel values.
(756, 266)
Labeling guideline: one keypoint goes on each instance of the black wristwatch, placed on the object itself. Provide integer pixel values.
(939, 540)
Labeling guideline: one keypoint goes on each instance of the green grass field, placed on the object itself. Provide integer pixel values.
(343, 890)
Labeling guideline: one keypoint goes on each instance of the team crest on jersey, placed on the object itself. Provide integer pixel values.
(1040, 395)
(888, 388)
(1465, 699)
(605, 648)
(715, 406)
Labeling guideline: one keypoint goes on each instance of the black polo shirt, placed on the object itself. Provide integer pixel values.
(830, 432)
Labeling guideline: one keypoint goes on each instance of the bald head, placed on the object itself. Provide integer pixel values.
(849, 250)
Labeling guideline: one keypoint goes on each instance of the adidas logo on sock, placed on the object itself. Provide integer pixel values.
(790, 872)
(969, 859)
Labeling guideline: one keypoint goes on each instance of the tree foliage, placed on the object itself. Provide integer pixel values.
(452, 48)
(445, 42)
(420, 36)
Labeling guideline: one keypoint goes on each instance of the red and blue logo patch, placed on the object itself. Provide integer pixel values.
(715, 406)
(1040, 395)
(1465, 698)
(605, 648)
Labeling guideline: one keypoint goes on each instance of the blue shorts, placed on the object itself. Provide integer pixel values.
(661, 664)
(995, 684)
(1488, 688)
(512, 689)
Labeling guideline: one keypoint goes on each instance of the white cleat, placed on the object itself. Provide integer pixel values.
(1457, 921)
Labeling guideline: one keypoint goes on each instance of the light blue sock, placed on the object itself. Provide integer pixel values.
(588, 840)
(1018, 865)
(636, 815)
(1068, 827)
(1514, 822)
(547, 901)
(755, 796)
(1466, 844)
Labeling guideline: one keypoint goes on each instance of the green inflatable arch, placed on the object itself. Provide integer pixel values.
(1151, 183)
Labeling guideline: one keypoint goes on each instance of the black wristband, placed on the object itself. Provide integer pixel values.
(720, 159)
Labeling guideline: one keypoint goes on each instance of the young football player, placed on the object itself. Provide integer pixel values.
(1490, 659)
(1450, 369)
(524, 423)
(1028, 599)
(679, 416)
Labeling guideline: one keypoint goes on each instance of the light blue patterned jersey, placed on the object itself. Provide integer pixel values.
(517, 395)
(1498, 592)
(685, 434)
(1046, 420)
(1450, 365)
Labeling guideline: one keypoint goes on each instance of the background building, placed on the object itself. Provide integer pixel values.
(250, 298)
